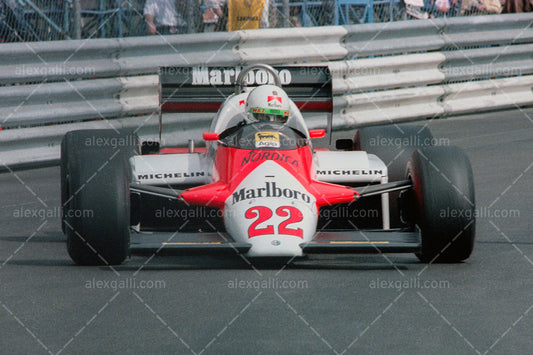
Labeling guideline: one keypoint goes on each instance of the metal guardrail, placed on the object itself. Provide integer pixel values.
(38, 147)
(142, 55)
(418, 70)
(101, 58)
(486, 63)
(438, 34)
(401, 105)
(281, 46)
(370, 74)
(70, 101)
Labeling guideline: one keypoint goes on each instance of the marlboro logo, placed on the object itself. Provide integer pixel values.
(274, 101)
(270, 190)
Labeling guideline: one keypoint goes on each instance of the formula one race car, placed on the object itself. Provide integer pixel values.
(258, 188)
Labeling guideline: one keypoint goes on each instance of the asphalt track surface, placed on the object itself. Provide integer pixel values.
(325, 304)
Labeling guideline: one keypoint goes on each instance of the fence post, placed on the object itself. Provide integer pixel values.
(286, 14)
(76, 19)
(190, 15)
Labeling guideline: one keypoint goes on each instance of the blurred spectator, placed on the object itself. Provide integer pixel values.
(164, 17)
(251, 14)
(414, 9)
(298, 17)
(512, 6)
(432, 8)
(389, 11)
(327, 12)
(214, 15)
(223, 21)
(437, 8)
(455, 8)
(481, 7)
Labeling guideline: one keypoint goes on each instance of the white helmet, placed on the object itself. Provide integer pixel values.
(268, 103)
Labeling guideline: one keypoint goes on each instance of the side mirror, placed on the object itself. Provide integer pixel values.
(150, 147)
(210, 136)
(344, 144)
(317, 133)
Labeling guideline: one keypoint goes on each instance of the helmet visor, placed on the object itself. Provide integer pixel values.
(269, 114)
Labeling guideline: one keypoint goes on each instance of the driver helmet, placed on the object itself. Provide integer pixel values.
(267, 103)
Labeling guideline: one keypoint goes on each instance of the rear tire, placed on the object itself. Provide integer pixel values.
(442, 203)
(394, 145)
(95, 179)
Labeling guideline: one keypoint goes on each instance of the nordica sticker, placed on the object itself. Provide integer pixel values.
(270, 190)
(227, 76)
(260, 155)
(267, 140)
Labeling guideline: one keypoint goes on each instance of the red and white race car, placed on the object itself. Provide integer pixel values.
(258, 187)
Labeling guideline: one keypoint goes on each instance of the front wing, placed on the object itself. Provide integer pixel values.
(332, 242)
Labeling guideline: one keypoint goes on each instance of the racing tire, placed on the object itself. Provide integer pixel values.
(394, 145)
(442, 203)
(63, 174)
(95, 179)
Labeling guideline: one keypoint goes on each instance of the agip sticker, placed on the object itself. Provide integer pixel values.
(267, 140)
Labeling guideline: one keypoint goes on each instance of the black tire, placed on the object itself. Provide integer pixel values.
(394, 145)
(64, 183)
(95, 186)
(442, 203)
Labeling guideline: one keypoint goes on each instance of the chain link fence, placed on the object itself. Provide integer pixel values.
(45, 20)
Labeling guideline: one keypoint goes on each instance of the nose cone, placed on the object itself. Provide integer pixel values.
(275, 246)
(272, 210)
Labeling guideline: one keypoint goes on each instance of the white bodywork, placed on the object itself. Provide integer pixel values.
(349, 167)
(171, 169)
(196, 169)
(354, 168)
(273, 183)
(342, 167)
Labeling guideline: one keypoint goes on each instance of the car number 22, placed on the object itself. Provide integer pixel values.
(263, 214)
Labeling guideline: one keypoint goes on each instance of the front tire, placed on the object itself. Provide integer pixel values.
(95, 188)
(442, 203)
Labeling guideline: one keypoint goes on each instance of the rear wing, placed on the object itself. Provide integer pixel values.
(204, 89)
